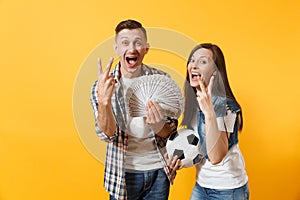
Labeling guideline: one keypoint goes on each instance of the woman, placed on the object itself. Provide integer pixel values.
(217, 119)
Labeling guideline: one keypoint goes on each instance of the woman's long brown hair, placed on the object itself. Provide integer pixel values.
(190, 93)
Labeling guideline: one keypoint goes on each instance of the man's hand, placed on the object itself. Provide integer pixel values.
(106, 83)
(154, 116)
(174, 164)
(105, 89)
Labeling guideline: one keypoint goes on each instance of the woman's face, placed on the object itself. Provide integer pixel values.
(201, 64)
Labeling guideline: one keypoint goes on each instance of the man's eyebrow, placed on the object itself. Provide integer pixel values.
(124, 37)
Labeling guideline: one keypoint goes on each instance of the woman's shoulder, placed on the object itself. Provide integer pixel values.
(232, 105)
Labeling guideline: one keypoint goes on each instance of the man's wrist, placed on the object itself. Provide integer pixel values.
(158, 126)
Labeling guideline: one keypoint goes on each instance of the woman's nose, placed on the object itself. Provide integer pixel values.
(195, 65)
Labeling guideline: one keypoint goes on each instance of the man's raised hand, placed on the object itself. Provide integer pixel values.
(106, 83)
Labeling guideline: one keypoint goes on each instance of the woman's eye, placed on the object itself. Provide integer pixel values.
(203, 62)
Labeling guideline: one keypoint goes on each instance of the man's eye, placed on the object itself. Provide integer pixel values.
(125, 42)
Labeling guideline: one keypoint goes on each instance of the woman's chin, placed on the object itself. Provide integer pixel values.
(192, 84)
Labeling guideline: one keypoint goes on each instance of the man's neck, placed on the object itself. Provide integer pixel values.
(131, 74)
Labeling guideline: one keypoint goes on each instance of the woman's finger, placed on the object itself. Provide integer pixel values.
(211, 83)
(202, 85)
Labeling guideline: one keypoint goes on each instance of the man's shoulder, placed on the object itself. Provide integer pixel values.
(152, 70)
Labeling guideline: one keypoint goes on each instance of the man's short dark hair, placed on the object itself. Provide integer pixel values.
(130, 24)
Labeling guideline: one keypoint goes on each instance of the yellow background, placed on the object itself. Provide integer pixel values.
(44, 43)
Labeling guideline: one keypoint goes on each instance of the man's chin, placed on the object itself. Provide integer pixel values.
(132, 70)
(132, 67)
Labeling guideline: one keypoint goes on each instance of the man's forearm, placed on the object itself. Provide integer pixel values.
(165, 131)
(106, 120)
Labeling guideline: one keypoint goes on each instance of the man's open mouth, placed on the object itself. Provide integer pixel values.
(131, 60)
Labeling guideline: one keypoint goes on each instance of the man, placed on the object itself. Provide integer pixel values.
(135, 166)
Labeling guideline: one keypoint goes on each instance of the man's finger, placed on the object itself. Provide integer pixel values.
(156, 110)
(109, 82)
(108, 67)
(149, 113)
(178, 164)
(99, 67)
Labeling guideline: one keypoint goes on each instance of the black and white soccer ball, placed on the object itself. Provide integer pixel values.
(186, 145)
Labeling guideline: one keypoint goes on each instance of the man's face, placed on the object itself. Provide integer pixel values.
(131, 46)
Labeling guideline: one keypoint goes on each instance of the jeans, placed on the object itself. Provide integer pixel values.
(148, 185)
(201, 193)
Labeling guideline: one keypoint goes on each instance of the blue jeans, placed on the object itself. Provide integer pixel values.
(148, 185)
(201, 193)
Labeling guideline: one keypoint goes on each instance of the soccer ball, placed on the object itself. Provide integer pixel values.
(185, 144)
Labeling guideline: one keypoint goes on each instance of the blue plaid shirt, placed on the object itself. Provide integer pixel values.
(114, 179)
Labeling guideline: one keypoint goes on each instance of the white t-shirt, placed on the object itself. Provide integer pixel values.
(230, 172)
(142, 152)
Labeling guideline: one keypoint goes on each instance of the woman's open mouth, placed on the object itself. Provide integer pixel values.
(195, 75)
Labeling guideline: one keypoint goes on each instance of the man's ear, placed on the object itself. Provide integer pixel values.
(147, 47)
(115, 48)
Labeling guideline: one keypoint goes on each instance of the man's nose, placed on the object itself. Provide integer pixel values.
(131, 47)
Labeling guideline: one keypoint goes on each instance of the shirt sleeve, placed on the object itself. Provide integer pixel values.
(226, 123)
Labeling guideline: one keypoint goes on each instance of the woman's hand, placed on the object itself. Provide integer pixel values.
(204, 95)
